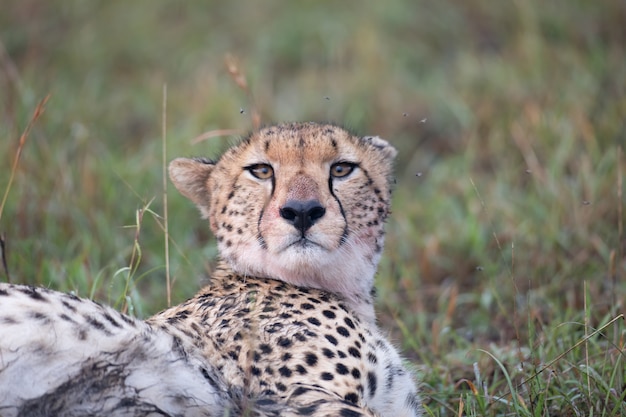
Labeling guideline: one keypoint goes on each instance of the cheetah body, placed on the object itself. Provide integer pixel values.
(276, 340)
(286, 325)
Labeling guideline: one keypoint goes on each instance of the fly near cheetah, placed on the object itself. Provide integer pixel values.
(286, 326)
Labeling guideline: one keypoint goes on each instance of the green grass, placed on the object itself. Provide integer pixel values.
(504, 269)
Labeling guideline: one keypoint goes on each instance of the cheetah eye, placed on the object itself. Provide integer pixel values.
(342, 169)
(261, 171)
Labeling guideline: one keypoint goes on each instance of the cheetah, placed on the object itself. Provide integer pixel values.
(286, 325)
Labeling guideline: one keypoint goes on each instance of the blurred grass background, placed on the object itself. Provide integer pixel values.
(506, 244)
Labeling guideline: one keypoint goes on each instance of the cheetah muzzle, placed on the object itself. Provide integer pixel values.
(286, 326)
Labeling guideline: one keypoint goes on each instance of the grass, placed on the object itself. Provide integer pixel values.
(504, 273)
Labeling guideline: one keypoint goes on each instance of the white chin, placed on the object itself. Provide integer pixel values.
(300, 260)
(299, 263)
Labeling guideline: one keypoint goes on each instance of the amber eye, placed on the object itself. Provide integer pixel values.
(342, 169)
(261, 171)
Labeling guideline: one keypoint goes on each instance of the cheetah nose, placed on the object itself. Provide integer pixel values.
(302, 214)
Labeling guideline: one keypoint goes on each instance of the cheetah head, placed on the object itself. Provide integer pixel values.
(304, 203)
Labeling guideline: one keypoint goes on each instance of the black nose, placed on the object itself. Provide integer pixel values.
(302, 214)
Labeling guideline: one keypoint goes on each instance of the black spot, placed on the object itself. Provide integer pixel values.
(314, 321)
(68, 306)
(372, 383)
(329, 314)
(413, 402)
(311, 359)
(231, 195)
(3, 292)
(381, 344)
(206, 376)
(281, 387)
(352, 397)
(286, 356)
(309, 333)
(268, 309)
(265, 348)
(309, 410)
(255, 371)
(39, 316)
(128, 320)
(95, 324)
(328, 353)
(343, 331)
(284, 371)
(284, 342)
(347, 412)
(371, 357)
(327, 376)
(265, 401)
(354, 352)
(341, 369)
(110, 319)
(325, 297)
(349, 322)
(307, 306)
(301, 370)
(276, 327)
(299, 391)
(32, 293)
(82, 334)
(331, 339)
(66, 318)
(389, 382)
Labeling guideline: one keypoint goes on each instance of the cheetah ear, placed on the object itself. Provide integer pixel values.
(190, 177)
(388, 151)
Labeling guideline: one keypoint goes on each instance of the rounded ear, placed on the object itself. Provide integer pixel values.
(382, 145)
(190, 177)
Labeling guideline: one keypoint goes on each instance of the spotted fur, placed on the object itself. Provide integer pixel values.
(286, 326)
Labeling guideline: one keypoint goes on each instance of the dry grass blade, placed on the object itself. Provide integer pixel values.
(233, 68)
(216, 133)
(168, 282)
(38, 112)
(620, 222)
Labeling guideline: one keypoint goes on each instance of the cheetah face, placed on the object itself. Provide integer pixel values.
(304, 203)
